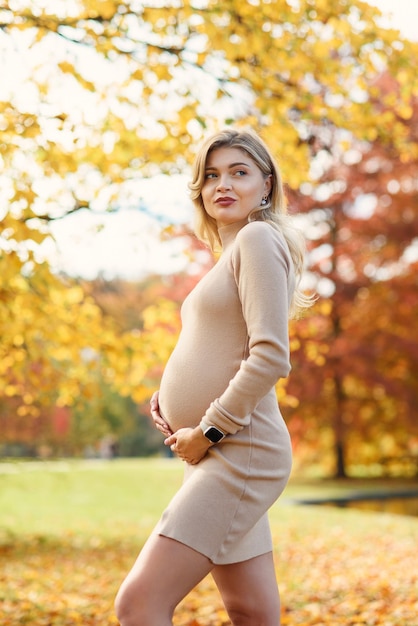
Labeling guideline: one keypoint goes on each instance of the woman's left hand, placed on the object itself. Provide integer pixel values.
(189, 444)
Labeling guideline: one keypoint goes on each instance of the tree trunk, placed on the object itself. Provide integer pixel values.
(340, 460)
(339, 430)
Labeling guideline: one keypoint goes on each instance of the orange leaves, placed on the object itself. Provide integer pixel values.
(72, 531)
(343, 574)
(350, 582)
(58, 585)
(202, 606)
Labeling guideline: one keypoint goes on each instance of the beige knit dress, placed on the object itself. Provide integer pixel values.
(232, 349)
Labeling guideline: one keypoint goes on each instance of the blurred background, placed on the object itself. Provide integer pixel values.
(102, 107)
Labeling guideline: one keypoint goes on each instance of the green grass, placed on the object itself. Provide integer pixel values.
(109, 498)
(70, 530)
(124, 497)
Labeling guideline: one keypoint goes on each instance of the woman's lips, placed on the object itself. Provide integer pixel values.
(225, 201)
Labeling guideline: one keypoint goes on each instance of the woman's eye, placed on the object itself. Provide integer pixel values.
(240, 173)
(210, 175)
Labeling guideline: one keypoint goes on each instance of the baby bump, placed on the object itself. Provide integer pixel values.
(187, 390)
(181, 403)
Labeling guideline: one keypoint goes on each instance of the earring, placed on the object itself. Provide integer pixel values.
(263, 201)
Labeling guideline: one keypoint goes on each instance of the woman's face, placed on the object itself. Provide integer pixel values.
(234, 185)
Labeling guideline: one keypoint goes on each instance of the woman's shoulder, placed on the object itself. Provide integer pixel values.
(260, 233)
(262, 244)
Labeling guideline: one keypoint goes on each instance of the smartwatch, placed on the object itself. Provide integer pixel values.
(213, 434)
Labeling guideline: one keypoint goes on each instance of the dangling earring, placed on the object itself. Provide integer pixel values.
(263, 201)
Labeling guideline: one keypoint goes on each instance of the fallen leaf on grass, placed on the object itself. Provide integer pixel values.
(326, 579)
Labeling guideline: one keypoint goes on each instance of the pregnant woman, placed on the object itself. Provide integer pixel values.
(217, 405)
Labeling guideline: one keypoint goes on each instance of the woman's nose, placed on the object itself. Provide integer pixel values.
(224, 183)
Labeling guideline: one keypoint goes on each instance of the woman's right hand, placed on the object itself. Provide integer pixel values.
(159, 421)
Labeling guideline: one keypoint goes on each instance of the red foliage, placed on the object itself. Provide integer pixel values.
(356, 357)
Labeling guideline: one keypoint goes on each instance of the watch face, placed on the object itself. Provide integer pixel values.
(213, 434)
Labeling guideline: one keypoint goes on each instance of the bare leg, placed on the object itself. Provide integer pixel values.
(163, 574)
(249, 591)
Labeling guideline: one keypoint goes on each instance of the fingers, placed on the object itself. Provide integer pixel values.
(159, 421)
(162, 425)
(163, 428)
(154, 405)
(172, 443)
(171, 440)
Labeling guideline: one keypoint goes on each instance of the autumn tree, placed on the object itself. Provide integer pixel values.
(357, 353)
(96, 95)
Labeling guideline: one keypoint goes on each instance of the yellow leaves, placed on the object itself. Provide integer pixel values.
(45, 327)
(371, 133)
(137, 74)
(321, 50)
(284, 398)
(291, 56)
(324, 307)
(294, 344)
(74, 295)
(18, 340)
(66, 67)
(341, 28)
(163, 313)
(27, 411)
(338, 597)
(321, 5)
(27, 398)
(69, 68)
(105, 8)
(147, 352)
(161, 71)
(314, 350)
(57, 345)
(11, 390)
(335, 567)
(292, 156)
(294, 64)
(405, 111)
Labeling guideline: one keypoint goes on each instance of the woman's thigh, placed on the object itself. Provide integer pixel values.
(163, 574)
(249, 591)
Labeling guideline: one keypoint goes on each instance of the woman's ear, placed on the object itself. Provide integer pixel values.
(268, 184)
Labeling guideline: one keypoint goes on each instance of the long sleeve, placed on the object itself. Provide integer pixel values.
(263, 273)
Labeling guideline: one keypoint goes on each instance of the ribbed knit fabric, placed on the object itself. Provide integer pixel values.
(232, 349)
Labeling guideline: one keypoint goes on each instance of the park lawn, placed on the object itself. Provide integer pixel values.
(109, 498)
(69, 531)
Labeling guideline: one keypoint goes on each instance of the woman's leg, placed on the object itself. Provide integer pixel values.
(163, 574)
(249, 591)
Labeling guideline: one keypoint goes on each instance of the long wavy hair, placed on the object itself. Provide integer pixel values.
(274, 211)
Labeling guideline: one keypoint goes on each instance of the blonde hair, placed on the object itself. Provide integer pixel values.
(274, 211)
